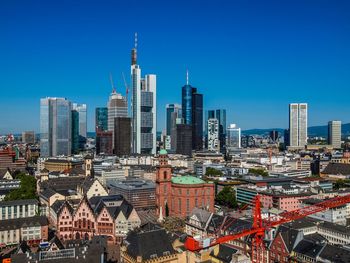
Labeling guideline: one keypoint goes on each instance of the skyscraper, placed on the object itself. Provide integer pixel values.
(117, 107)
(220, 115)
(81, 109)
(183, 139)
(55, 127)
(173, 111)
(233, 137)
(213, 135)
(192, 113)
(122, 138)
(297, 124)
(75, 131)
(334, 134)
(144, 108)
(101, 119)
(28, 137)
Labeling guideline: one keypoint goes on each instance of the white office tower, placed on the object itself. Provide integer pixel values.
(213, 135)
(334, 134)
(144, 108)
(117, 107)
(298, 125)
(233, 139)
(81, 109)
(55, 127)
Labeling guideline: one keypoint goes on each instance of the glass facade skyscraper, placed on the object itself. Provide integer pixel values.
(75, 131)
(173, 111)
(220, 115)
(298, 124)
(101, 119)
(192, 114)
(55, 127)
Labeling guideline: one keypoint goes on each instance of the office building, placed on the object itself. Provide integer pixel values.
(220, 115)
(233, 137)
(55, 127)
(144, 108)
(104, 142)
(298, 125)
(274, 136)
(192, 113)
(183, 139)
(75, 132)
(28, 137)
(117, 107)
(334, 134)
(173, 111)
(122, 136)
(81, 109)
(101, 119)
(18, 209)
(213, 135)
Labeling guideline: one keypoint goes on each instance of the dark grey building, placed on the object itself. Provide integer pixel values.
(183, 139)
(122, 137)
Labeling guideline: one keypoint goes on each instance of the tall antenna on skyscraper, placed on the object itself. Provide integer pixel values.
(135, 40)
(186, 76)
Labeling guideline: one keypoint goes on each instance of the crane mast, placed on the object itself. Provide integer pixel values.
(260, 226)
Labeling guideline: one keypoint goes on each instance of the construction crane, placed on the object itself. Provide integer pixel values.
(260, 226)
(126, 87)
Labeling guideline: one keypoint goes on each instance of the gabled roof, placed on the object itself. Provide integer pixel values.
(11, 224)
(149, 244)
(308, 248)
(55, 240)
(3, 172)
(335, 254)
(289, 236)
(337, 168)
(202, 215)
(23, 248)
(225, 253)
(47, 193)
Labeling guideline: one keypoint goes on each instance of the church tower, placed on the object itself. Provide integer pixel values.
(163, 185)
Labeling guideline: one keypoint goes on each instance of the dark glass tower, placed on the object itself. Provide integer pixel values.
(75, 131)
(101, 119)
(192, 114)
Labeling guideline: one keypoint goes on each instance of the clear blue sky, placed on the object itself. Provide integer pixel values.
(250, 57)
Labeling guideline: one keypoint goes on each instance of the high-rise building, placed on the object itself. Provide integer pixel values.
(144, 108)
(274, 136)
(213, 135)
(55, 127)
(297, 124)
(101, 119)
(334, 134)
(192, 113)
(220, 115)
(81, 109)
(28, 137)
(75, 131)
(233, 137)
(183, 139)
(117, 107)
(173, 111)
(104, 142)
(122, 136)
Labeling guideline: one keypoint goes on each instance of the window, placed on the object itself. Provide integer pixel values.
(188, 205)
(165, 175)
(188, 191)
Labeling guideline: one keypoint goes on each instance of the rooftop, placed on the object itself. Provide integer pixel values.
(186, 179)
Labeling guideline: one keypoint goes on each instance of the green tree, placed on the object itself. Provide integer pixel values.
(227, 197)
(166, 210)
(341, 183)
(213, 172)
(258, 171)
(27, 189)
(173, 224)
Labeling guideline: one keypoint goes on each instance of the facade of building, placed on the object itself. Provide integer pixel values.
(101, 119)
(18, 209)
(220, 115)
(55, 127)
(117, 107)
(82, 111)
(233, 134)
(104, 142)
(173, 111)
(183, 139)
(178, 196)
(28, 137)
(334, 134)
(298, 124)
(144, 109)
(213, 135)
(138, 192)
(122, 136)
(192, 114)
(75, 131)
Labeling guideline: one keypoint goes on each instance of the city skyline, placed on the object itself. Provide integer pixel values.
(277, 68)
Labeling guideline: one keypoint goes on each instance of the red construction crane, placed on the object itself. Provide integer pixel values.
(260, 226)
